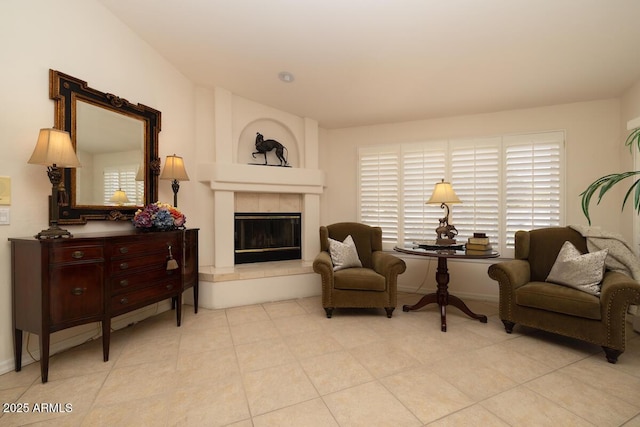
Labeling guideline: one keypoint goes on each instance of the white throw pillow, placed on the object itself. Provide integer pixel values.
(344, 254)
(581, 271)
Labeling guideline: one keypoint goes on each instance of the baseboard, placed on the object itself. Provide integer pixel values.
(84, 333)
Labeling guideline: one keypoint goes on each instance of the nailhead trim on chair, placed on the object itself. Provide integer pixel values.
(508, 297)
(623, 314)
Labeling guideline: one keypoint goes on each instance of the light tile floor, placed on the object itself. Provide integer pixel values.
(286, 364)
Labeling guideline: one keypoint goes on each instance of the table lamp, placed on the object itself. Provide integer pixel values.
(442, 194)
(55, 151)
(119, 197)
(174, 170)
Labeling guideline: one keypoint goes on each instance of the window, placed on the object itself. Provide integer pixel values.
(379, 190)
(422, 166)
(506, 184)
(475, 176)
(532, 189)
(123, 178)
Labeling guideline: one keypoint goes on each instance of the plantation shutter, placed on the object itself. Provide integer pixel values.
(111, 184)
(123, 178)
(378, 190)
(505, 184)
(533, 182)
(423, 165)
(475, 177)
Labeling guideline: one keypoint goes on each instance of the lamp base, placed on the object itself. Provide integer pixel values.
(53, 232)
(445, 242)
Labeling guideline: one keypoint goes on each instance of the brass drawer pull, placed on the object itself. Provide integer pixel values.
(78, 291)
(124, 301)
(77, 255)
(124, 283)
(124, 266)
(169, 287)
(124, 250)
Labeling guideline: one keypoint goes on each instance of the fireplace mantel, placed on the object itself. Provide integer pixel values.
(225, 138)
(227, 179)
(259, 178)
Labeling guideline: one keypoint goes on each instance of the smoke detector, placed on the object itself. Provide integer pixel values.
(286, 76)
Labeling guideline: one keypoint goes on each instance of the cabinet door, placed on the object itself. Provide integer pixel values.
(76, 293)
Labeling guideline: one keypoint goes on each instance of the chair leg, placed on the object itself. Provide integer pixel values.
(329, 311)
(389, 311)
(508, 326)
(612, 354)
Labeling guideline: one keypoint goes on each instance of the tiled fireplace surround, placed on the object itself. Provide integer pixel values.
(271, 205)
(227, 285)
(239, 186)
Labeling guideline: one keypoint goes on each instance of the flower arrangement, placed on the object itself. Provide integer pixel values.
(159, 216)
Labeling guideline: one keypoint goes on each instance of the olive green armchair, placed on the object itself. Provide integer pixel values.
(374, 285)
(527, 299)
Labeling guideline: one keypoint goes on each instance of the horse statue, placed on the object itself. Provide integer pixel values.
(446, 231)
(264, 146)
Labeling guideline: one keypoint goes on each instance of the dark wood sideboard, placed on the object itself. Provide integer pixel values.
(61, 283)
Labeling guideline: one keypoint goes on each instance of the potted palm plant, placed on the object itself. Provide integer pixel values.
(605, 183)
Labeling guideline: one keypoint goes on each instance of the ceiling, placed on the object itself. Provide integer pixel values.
(360, 62)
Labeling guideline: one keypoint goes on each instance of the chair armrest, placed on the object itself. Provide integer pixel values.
(322, 265)
(512, 274)
(618, 291)
(387, 264)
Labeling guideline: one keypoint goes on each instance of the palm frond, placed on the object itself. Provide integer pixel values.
(604, 184)
(634, 135)
(636, 196)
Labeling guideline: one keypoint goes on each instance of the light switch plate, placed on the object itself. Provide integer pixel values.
(4, 216)
(5, 190)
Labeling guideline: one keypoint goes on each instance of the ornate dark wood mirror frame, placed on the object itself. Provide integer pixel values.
(66, 91)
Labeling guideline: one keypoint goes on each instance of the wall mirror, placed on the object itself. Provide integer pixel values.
(117, 145)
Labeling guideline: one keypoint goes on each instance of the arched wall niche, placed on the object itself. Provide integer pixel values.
(270, 129)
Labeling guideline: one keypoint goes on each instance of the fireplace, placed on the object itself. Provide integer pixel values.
(260, 237)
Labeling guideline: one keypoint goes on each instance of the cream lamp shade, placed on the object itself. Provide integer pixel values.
(443, 193)
(54, 148)
(119, 197)
(174, 169)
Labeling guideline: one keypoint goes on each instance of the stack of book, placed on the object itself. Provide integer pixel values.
(478, 245)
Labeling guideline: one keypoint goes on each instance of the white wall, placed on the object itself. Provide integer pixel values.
(631, 104)
(592, 130)
(593, 140)
(630, 111)
(80, 38)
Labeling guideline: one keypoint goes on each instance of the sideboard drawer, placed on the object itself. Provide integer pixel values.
(129, 282)
(76, 254)
(144, 244)
(131, 300)
(152, 261)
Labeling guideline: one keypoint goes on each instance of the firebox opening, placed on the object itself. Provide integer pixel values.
(261, 237)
